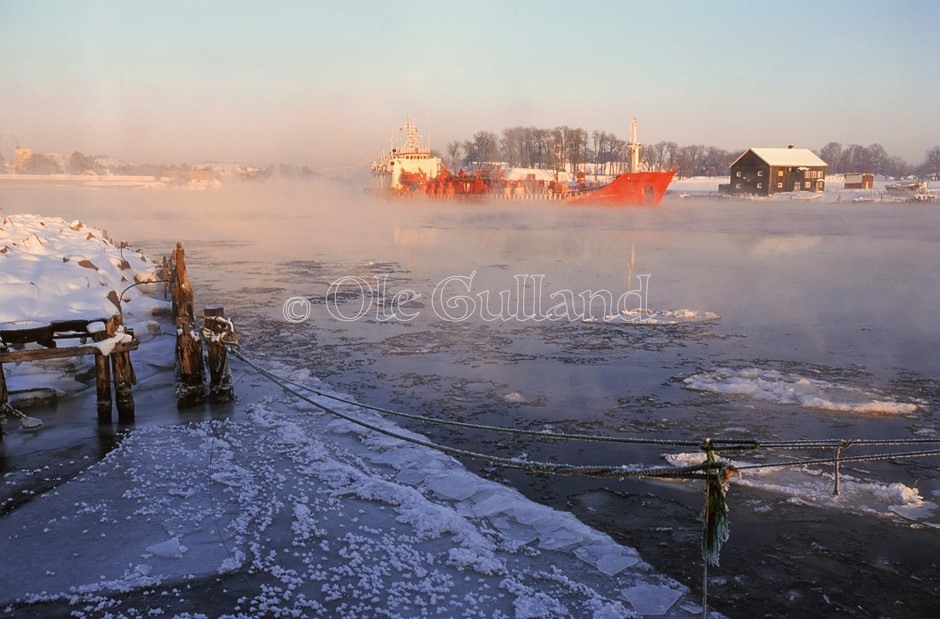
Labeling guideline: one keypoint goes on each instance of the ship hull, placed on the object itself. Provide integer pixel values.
(630, 189)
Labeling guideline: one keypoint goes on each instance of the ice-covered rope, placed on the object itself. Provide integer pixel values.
(26, 422)
(602, 471)
(715, 473)
(724, 444)
(697, 471)
(841, 459)
(540, 433)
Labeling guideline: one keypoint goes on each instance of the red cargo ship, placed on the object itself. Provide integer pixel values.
(412, 171)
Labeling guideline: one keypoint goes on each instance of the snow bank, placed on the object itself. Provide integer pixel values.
(51, 269)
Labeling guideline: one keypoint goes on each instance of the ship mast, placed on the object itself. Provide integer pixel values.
(634, 148)
(413, 141)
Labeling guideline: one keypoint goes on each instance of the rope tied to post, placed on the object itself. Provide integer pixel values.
(716, 528)
(220, 330)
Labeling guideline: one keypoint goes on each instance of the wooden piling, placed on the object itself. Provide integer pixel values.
(190, 377)
(217, 332)
(123, 374)
(4, 394)
(165, 276)
(182, 290)
(103, 377)
(190, 372)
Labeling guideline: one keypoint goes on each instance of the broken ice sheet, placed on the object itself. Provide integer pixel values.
(514, 531)
(611, 559)
(494, 504)
(412, 477)
(649, 599)
(559, 538)
(170, 549)
(456, 485)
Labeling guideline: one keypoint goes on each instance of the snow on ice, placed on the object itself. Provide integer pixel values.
(782, 388)
(806, 485)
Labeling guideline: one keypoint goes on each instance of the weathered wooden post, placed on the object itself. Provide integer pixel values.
(182, 290)
(3, 390)
(165, 276)
(190, 374)
(190, 377)
(218, 331)
(123, 373)
(103, 377)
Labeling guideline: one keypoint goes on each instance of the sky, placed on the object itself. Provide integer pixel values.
(325, 83)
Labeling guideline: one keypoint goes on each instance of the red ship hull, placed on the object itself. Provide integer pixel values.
(632, 188)
(629, 189)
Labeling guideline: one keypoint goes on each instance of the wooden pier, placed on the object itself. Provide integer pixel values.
(32, 341)
(111, 343)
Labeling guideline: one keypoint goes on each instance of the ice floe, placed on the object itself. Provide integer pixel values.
(783, 388)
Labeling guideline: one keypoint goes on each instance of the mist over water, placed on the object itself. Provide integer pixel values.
(833, 300)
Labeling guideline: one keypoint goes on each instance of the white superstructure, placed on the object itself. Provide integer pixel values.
(410, 157)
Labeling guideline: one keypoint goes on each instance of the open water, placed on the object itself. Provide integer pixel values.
(764, 320)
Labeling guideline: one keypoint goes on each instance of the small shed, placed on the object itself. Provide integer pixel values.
(859, 181)
(766, 171)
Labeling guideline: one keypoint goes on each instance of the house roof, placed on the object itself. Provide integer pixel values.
(786, 157)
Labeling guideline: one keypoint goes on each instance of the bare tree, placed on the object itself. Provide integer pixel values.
(831, 153)
(453, 153)
(513, 146)
(877, 159)
(654, 156)
(576, 143)
(598, 141)
(932, 163)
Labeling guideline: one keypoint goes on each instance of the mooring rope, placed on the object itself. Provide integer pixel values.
(697, 471)
(715, 472)
(600, 471)
(839, 459)
(726, 444)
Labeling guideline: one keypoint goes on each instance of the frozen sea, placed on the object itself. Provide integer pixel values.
(765, 320)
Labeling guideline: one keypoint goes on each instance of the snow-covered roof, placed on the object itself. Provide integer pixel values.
(786, 157)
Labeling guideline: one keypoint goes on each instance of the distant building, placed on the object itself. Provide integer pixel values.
(22, 156)
(766, 171)
(859, 181)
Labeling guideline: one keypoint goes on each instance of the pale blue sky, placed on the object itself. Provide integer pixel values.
(327, 83)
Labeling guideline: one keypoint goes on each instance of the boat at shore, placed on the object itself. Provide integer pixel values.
(412, 171)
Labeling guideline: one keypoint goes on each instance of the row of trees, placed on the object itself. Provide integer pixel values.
(874, 159)
(567, 148)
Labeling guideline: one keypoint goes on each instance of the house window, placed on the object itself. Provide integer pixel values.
(779, 172)
(738, 174)
(760, 185)
(806, 185)
(737, 185)
(779, 185)
(760, 172)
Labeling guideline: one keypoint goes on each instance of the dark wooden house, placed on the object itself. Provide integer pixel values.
(766, 171)
(859, 181)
